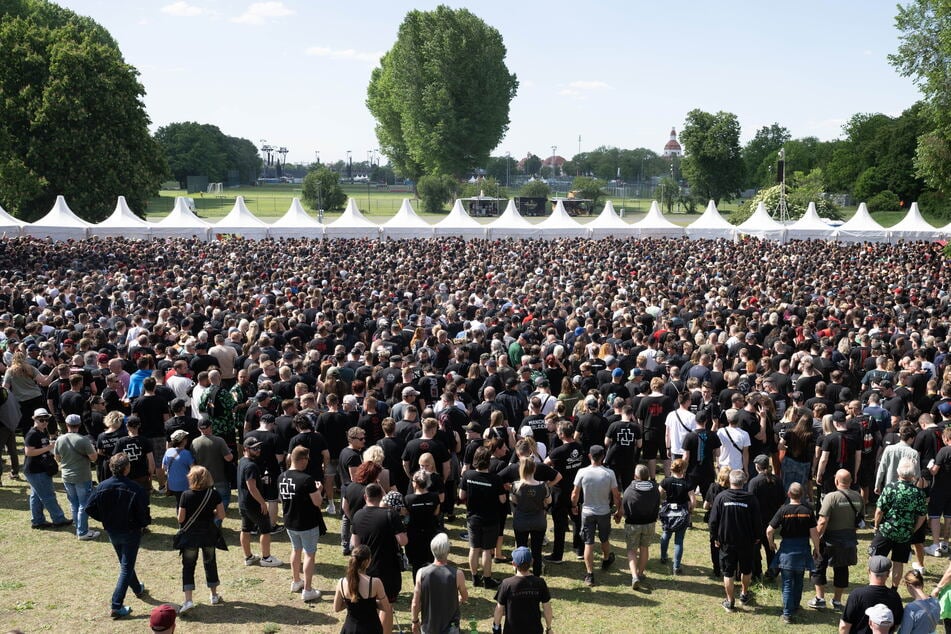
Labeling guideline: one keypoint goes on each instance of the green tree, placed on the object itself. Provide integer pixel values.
(801, 189)
(712, 163)
(71, 117)
(760, 154)
(590, 188)
(531, 165)
(441, 95)
(669, 193)
(436, 191)
(196, 149)
(535, 189)
(501, 167)
(321, 190)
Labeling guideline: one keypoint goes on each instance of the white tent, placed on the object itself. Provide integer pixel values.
(608, 224)
(59, 224)
(406, 224)
(809, 227)
(459, 223)
(122, 223)
(181, 223)
(761, 225)
(9, 225)
(710, 225)
(352, 224)
(560, 225)
(654, 225)
(861, 228)
(240, 222)
(296, 223)
(912, 227)
(511, 224)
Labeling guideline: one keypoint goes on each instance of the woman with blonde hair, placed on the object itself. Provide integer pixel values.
(198, 509)
(374, 453)
(25, 383)
(530, 499)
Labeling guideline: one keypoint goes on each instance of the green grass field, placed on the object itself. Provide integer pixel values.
(51, 582)
(269, 202)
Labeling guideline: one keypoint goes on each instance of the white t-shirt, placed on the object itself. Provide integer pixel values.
(678, 428)
(729, 455)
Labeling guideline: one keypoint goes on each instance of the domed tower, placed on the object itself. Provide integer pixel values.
(672, 148)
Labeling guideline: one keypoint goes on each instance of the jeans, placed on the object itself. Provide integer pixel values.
(678, 546)
(190, 561)
(224, 490)
(78, 493)
(795, 471)
(792, 590)
(533, 539)
(42, 496)
(126, 546)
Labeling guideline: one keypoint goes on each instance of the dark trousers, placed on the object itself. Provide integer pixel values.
(758, 559)
(534, 540)
(126, 546)
(8, 441)
(561, 516)
(190, 562)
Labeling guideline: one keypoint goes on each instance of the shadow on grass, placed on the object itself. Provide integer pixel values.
(243, 612)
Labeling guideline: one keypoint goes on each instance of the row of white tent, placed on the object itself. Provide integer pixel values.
(62, 224)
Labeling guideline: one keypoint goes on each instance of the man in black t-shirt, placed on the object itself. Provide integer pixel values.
(482, 493)
(700, 453)
(253, 507)
(854, 618)
(139, 451)
(591, 426)
(838, 452)
(426, 444)
(623, 441)
(523, 599)
(350, 459)
(567, 459)
(301, 500)
(797, 524)
(319, 456)
(735, 528)
(270, 460)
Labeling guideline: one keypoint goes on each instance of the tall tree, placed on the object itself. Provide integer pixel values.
(759, 154)
(712, 161)
(441, 95)
(72, 120)
(196, 149)
(321, 190)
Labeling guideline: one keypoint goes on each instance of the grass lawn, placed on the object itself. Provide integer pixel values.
(52, 582)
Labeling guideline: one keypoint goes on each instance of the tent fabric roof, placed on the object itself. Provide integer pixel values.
(912, 227)
(406, 224)
(59, 224)
(560, 225)
(352, 224)
(459, 223)
(122, 222)
(809, 227)
(9, 224)
(608, 224)
(711, 225)
(296, 223)
(181, 223)
(861, 228)
(655, 225)
(512, 224)
(240, 221)
(761, 225)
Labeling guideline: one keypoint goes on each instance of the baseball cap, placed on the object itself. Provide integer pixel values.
(474, 427)
(617, 373)
(879, 564)
(252, 443)
(521, 556)
(73, 420)
(162, 618)
(40, 412)
(408, 391)
(262, 394)
(945, 408)
(492, 362)
(396, 358)
(879, 614)
(179, 435)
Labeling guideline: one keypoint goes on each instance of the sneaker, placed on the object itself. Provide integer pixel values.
(345, 551)
(477, 581)
(42, 525)
(188, 605)
(297, 586)
(944, 547)
(816, 603)
(933, 551)
(579, 555)
(122, 612)
(606, 563)
(277, 528)
(548, 559)
(310, 595)
(501, 560)
(589, 579)
(252, 560)
(215, 599)
(62, 524)
(331, 509)
(679, 571)
(490, 584)
(728, 605)
(918, 567)
(141, 592)
(745, 598)
(270, 562)
(89, 535)
(786, 619)
(163, 491)
(838, 605)
(635, 584)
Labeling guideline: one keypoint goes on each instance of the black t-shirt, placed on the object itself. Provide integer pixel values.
(543, 473)
(151, 409)
(317, 444)
(864, 597)
(36, 439)
(377, 528)
(735, 519)
(567, 460)
(295, 488)
(539, 427)
(841, 455)
(333, 426)
(676, 490)
(794, 520)
(652, 412)
(482, 495)
(137, 449)
(191, 500)
(422, 514)
(942, 479)
(623, 450)
(72, 403)
(186, 423)
(270, 449)
(248, 470)
(592, 428)
(348, 458)
(768, 490)
(522, 598)
(418, 446)
(372, 425)
(701, 444)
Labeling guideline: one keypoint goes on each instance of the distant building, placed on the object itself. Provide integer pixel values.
(672, 147)
(557, 161)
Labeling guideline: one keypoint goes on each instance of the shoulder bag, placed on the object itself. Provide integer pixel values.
(179, 539)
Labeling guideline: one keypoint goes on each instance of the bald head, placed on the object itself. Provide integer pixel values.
(843, 479)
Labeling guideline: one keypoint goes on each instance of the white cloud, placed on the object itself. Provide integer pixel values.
(182, 9)
(345, 54)
(589, 85)
(259, 12)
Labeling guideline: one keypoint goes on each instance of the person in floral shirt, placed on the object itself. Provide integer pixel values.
(902, 510)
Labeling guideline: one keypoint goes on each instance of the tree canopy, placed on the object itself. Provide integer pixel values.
(441, 95)
(321, 190)
(72, 120)
(712, 161)
(195, 149)
(801, 189)
(760, 153)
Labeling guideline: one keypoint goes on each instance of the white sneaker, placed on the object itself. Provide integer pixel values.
(252, 560)
(270, 562)
(310, 595)
(188, 605)
(89, 535)
(297, 586)
(933, 551)
(215, 599)
(331, 509)
(918, 567)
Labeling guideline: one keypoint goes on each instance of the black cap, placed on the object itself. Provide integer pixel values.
(252, 443)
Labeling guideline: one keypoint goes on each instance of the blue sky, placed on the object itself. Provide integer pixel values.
(295, 72)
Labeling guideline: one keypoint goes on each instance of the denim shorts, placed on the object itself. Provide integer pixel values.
(304, 540)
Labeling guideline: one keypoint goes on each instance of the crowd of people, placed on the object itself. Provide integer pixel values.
(793, 393)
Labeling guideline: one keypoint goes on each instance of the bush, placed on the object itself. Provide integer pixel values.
(487, 186)
(535, 189)
(884, 201)
(935, 204)
(436, 191)
(321, 190)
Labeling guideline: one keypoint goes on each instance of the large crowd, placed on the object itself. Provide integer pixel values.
(784, 397)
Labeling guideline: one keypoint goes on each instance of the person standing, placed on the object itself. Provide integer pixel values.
(641, 505)
(735, 527)
(679, 500)
(362, 596)
(734, 443)
(902, 510)
(622, 441)
(854, 616)
(483, 494)
(567, 459)
(700, 449)
(253, 507)
(598, 485)
(213, 453)
(530, 499)
(301, 500)
(768, 491)
(176, 463)
(841, 513)
(39, 467)
(422, 526)
(123, 508)
(75, 454)
(139, 450)
(797, 524)
(200, 510)
(523, 599)
(923, 614)
(440, 589)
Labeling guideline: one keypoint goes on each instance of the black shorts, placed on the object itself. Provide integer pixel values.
(736, 558)
(655, 446)
(482, 535)
(898, 552)
(866, 476)
(939, 504)
(920, 535)
(595, 525)
(252, 519)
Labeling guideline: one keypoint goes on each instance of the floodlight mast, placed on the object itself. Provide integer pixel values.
(782, 210)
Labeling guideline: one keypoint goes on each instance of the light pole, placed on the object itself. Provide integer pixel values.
(350, 166)
(508, 165)
(317, 154)
(266, 149)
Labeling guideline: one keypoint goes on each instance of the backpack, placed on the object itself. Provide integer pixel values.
(209, 400)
